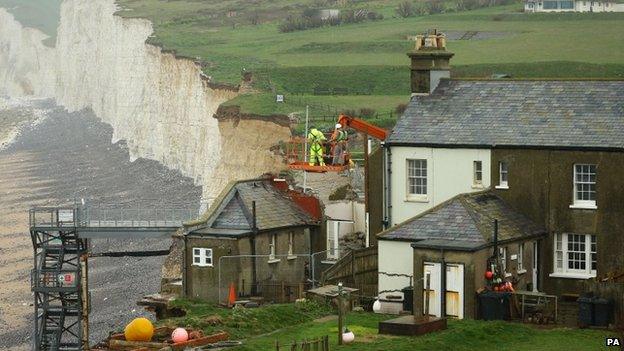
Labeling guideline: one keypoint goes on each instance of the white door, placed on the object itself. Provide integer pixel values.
(535, 269)
(455, 290)
(333, 230)
(433, 270)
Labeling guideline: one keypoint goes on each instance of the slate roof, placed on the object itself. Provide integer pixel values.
(552, 114)
(232, 215)
(465, 222)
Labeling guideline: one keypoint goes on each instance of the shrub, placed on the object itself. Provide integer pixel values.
(400, 108)
(367, 112)
(406, 9)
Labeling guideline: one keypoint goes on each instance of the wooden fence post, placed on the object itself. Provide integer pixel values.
(277, 345)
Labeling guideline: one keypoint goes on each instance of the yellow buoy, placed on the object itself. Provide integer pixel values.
(140, 329)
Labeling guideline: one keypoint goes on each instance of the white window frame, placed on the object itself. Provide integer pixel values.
(272, 245)
(477, 172)
(584, 203)
(561, 258)
(202, 257)
(291, 244)
(502, 252)
(503, 184)
(521, 258)
(419, 164)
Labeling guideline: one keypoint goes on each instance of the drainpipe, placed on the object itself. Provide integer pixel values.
(387, 187)
(496, 239)
(254, 232)
(443, 286)
(184, 269)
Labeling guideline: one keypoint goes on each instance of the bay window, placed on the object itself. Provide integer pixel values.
(575, 256)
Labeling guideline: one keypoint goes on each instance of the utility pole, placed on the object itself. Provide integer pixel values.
(85, 299)
(305, 148)
(340, 314)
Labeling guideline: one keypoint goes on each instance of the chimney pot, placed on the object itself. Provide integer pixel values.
(430, 62)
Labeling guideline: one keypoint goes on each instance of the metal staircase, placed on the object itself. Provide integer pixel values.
(56, 280)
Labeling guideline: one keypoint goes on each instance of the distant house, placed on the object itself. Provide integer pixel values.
(572, 6)
(328, 14)
(456, 237)
(258, 235)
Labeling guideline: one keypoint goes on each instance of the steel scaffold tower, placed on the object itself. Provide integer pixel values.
(56, 280)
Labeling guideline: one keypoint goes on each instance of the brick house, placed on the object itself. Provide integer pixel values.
(258, 235)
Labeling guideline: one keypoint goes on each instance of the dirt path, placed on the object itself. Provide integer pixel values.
(67, 157)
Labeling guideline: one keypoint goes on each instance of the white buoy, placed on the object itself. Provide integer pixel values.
(377, 306)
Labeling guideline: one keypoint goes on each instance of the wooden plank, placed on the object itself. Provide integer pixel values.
(210, 339)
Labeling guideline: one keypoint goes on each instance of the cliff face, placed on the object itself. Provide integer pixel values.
(25, 63)
(158, 103)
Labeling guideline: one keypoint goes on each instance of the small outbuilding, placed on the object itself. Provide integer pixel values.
(452, 243)
(257, 237)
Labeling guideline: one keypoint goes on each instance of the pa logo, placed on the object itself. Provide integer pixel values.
(613, 342)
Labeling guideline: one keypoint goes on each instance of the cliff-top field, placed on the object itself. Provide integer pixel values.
(363, 65)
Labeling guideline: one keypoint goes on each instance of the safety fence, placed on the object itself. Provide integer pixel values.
(273, 278)
(320, 344)
(84, 216)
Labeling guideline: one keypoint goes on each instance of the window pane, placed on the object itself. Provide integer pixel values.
(585, 182)
(417, 177)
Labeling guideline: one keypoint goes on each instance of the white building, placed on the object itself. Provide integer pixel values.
(420, 178)
(572, 6)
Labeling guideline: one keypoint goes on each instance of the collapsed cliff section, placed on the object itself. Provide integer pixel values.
(160, 104)
(26, 64)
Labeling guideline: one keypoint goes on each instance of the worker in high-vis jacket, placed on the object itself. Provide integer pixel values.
(316, 139)
(339, 144)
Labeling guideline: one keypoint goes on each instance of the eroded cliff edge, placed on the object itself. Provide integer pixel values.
(158, 103)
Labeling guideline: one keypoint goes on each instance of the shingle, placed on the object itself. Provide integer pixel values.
(274, 209)
(588, 114)
(467, 219)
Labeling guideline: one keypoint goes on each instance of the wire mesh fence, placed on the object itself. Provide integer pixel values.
(272, 278)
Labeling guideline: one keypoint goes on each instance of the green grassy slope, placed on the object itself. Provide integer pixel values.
(41, 14)
(351, 61)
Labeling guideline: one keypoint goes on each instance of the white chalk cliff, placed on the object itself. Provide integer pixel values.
(156, 102)
(26, 65)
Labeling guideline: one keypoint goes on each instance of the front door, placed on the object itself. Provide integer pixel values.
(535, 266)
(455, 290)
(433, 271)
(454, 298)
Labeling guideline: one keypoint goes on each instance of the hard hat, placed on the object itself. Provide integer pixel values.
(338, 125)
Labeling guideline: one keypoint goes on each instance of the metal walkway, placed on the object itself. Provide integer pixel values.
(59, 279)
(93, 222)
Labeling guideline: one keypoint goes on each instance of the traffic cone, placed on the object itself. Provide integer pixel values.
(232, 296)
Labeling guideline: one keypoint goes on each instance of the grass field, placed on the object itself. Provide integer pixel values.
(364, 65)
(260, 328)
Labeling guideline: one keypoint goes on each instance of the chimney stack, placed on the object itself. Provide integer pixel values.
(430, 62)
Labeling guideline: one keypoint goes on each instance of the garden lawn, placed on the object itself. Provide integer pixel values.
(461, 335)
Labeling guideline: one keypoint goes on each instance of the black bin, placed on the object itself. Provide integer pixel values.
(603, 312)
(494, 305)
(408, 298)
(586, 311)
